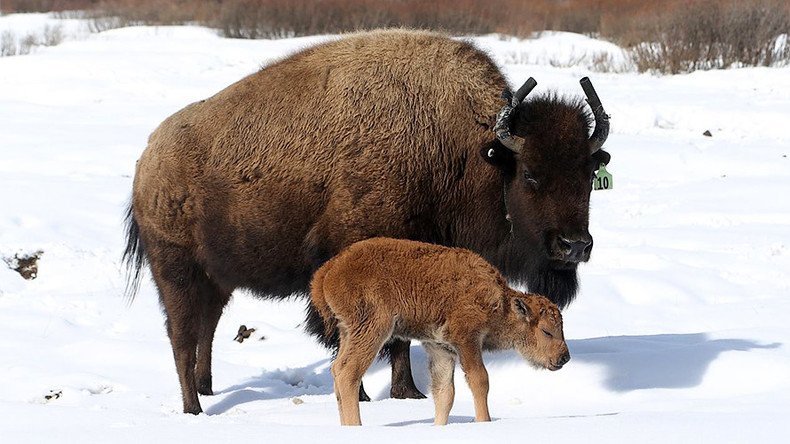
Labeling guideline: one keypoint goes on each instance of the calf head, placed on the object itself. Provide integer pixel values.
(538, 333)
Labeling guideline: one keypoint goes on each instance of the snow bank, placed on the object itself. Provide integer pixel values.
(679, 333)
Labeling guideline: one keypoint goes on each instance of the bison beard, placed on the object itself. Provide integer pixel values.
(360, 137)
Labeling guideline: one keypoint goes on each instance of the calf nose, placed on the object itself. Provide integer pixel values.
(575, 249)
(564, 359)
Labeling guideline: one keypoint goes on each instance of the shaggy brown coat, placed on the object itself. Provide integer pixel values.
(375, 134)
(451, 299)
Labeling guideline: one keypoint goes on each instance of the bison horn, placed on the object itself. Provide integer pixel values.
(505, 116)
(601, 131)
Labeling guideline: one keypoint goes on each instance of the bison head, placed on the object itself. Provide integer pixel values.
(548, 157)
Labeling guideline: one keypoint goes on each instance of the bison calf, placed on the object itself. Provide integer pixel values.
(451, 299)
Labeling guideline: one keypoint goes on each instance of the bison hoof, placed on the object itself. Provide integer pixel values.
(406, 392)
(204, 387)
(194, 410)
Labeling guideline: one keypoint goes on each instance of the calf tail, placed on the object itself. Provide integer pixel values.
(133, 255)
(320, 321)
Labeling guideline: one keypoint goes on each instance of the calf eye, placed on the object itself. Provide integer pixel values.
(547, 333)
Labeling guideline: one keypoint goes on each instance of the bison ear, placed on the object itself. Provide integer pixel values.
(522, 309)
(601, 157)
(497, 155)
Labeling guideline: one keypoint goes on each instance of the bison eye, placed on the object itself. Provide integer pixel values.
(545, 332)
(530, 180)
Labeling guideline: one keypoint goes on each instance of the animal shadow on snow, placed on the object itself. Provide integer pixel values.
(276, 384)
(453, 419)
(631, 362)
(656, 361)
(292, 382)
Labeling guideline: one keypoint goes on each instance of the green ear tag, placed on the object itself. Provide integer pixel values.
(602, 180)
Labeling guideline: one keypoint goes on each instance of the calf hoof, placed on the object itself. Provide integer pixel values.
(363, 397)
(204, 387)
(405, 392)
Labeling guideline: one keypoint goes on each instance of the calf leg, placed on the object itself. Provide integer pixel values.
(402, 386)
(333, 369)
(442, 366)
(471, 359)
(212, 301)
(359, 346)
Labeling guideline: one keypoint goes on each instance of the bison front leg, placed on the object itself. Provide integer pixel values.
(402, 382)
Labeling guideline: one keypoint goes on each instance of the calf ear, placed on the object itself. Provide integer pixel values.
(497, 155)
(522, 309)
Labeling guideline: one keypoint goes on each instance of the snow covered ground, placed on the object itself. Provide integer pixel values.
(679, 333)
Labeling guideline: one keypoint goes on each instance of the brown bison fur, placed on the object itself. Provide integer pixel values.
(375, 134)
(449, 298)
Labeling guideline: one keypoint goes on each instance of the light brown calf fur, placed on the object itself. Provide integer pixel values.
(451, 299)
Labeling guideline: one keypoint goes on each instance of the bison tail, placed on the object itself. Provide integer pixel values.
(133, 255)
(320, 321)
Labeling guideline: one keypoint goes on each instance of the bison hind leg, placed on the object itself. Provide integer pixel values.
(212, 302)
(192, 306)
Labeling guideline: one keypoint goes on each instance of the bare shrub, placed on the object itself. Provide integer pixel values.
(712, 35)
(46, 5)
(670, 36)
(753, 32)
(573, 60)
(51, 35)
(27, 44)
(144, 12)
(605, 62)
(8, 44)
(104, 23)
(71, 14)
(581, 21)
(276, 18)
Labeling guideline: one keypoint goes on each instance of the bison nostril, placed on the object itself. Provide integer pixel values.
(574, 249)
(565, 358)
(582, 244)
(565, 244)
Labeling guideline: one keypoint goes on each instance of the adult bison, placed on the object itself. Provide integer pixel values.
(387, 133)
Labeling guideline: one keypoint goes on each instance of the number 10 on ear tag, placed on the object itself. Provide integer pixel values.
(602, 180)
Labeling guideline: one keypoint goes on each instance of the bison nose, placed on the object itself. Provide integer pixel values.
(575, 249)
(564, 359)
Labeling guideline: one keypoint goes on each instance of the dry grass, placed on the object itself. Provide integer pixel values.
(272, 18)
(670, 36)
(277, 18)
